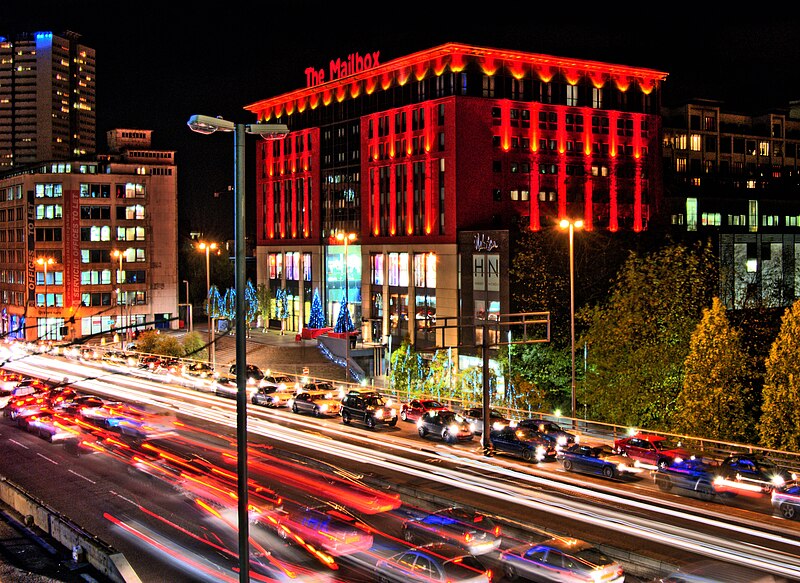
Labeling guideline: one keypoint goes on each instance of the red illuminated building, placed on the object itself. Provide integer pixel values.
(430, 159)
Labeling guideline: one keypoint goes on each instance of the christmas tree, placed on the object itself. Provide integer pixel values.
(344, 323)
(317, 317)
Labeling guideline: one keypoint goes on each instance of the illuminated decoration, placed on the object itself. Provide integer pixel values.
(456, 56)
(317, 316)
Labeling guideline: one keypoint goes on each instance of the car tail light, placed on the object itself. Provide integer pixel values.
(496, 531)
(489, 574)
(468, 537)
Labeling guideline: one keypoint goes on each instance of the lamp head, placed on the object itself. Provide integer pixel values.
(205, 124)
(268, 131)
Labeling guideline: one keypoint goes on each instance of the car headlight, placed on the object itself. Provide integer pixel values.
(453, 428)
(323, 407)
(778, 481)
(379, 413)
(678, 459)
(541, 452)
(562, 440)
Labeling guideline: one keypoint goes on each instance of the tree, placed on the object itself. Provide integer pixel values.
(251, 307)
(194, 346)
(715, 401)
(344, 323)
(227, 306)
(407, 371)
(214, 304)
(264, 296)
(779, 426)
(317, 317)
(639, 337)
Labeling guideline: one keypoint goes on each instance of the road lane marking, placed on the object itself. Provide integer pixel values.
(118, 495)
(18, 443)
(55, 463)
(81, 476)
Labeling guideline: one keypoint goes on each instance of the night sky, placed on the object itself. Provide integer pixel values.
(157, 64)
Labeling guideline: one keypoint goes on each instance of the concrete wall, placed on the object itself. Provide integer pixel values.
(100, 555)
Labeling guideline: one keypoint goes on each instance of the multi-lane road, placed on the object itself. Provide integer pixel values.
(160, 528)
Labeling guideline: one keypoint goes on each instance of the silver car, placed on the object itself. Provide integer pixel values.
(432, 563)
(560, 559)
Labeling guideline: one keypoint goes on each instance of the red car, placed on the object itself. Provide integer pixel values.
(416, 408)
(654, 451)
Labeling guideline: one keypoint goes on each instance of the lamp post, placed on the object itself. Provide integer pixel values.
(207, 248)
(346, 238)
(572, 225)
(45, 261)
(208, 125)
(188, 306)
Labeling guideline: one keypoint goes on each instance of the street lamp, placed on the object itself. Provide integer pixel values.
(188, 305)
(572, 225)
(208, 125)
(207, 248)
(346, 238)
(117, 254)
(45, 261)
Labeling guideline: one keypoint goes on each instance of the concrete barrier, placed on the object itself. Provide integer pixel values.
(94, 551)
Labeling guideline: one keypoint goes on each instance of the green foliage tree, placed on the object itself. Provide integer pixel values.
(147, 341)
(408, 370)
(194, 346)
(440, 380)
(540, 377)
(779, 426)
(170, 346)
(715, 401)
(264, 296)
(639, 337)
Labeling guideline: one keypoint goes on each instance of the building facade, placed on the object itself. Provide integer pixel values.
(90, 247)
(734, 178)
(47, 99)
(418, 154)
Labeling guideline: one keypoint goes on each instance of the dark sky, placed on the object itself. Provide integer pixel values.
(157, 64)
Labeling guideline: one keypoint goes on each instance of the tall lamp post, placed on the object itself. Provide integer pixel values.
(45, 261)
(207, 248)
(188, 305)
(117, 254)
(346, 238)
(572, 225)
(208, 125)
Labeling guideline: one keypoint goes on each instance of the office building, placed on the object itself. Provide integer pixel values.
(431, 160)
(47, 99)
(90, 247)
(734, 177)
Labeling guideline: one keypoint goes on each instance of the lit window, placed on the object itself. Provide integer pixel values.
(695, 142)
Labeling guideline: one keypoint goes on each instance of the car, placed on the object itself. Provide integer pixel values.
(472, 531)
(282, 382)
(560, 559)
(322, 527)
(416, 408)
(51, 426)
(597, 459)
(751, 474)
(225, 386)
(432, 563)
(272, 396)
(474, 417)
(524, 442)
(75, 406)
(447, 425)
(368, 407)
(692, 477)
(319, 386)
(9, 380)
(253, 373)
(652, 451)
(22, 388)
(317, 403)
(197, 370)
(562, 437)
(24, 406)
(786, 500)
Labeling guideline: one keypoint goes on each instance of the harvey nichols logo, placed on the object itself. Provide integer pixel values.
(354, 63)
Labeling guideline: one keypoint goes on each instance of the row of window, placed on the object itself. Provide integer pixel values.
(731, 145)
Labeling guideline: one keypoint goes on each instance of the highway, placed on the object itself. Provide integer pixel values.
(157, 527)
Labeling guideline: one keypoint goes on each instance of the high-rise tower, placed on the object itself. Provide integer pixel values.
(47, 98)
